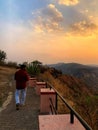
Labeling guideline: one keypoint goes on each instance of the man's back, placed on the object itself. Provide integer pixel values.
(21, 78)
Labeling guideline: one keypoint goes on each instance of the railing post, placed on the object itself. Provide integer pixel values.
(45, 95)
(71, 117)
(46, 85)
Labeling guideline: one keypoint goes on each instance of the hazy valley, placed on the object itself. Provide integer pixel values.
(86, 73)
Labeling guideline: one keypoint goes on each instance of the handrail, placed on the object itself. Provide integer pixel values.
(73, 112)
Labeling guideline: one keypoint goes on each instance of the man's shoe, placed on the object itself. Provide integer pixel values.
(17, 106)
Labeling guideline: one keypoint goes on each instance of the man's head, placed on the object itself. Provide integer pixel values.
(23, 66)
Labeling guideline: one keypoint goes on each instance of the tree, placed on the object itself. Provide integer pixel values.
(34, 68)
(2, 56)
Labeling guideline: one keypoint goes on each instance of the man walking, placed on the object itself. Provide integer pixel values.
(21, 78)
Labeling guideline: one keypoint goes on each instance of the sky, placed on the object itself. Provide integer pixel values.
(50, 31)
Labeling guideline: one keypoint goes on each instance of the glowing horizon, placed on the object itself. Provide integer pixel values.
(51, 32)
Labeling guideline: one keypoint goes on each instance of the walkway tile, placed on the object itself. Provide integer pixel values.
(58, 122)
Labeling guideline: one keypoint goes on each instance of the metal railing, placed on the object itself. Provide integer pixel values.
(72, 111)
(52, 107)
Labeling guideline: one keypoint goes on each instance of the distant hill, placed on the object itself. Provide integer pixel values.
(87, 73)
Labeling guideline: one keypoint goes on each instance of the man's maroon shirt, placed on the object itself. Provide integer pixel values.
(21, 78)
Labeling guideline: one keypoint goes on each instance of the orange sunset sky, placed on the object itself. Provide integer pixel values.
(50, 31)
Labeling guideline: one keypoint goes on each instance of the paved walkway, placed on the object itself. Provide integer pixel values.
(24, 119)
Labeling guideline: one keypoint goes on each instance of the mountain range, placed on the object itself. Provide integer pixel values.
(87, 73)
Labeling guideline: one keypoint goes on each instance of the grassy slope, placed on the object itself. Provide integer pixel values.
(6, 77)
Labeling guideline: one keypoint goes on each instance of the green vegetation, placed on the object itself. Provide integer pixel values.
(34, 68)
(2, 56)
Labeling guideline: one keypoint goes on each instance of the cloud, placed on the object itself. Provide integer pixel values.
(85, 25)
(71, 21)
(68, 2)
(84, 28)
(47, 19)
